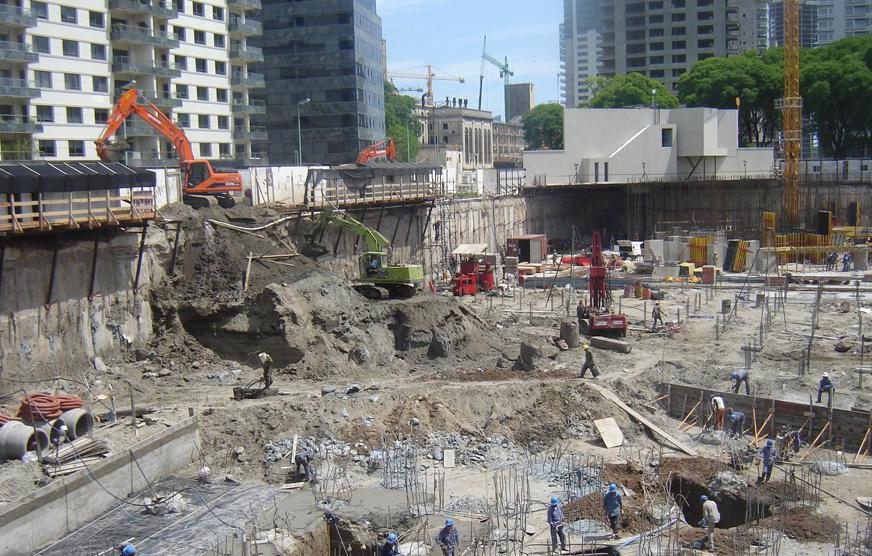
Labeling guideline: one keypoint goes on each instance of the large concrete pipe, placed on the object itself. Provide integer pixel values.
(16, 439)
(53, 429)
(79, 422)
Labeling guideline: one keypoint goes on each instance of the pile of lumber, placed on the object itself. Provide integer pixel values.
(73, 456)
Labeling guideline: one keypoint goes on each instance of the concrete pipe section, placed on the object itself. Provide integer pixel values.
(79, 422)
(53, 429)
(16, 439)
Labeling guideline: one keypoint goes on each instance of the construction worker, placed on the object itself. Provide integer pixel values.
(588, 363)
(711, 517)
(448, 538)
(581, 314)
(826, 385)
(266, 361)
(656, 315)
(768, 455)
(555, 522)
(739, 376)
(304, 460)
(737, 422)
(390, 547)
(126, 549)
(614, 506)
(718, 411)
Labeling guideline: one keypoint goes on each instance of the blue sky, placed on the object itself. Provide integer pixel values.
(448, 34)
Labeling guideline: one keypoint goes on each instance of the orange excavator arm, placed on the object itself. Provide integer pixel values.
(386, 148)
(134, 102)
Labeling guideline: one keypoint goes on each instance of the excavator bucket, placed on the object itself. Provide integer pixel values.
(115, 150)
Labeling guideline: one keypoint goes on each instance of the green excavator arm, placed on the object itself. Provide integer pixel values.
(373, 239)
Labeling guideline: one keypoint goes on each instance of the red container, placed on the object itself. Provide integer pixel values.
(708, 275)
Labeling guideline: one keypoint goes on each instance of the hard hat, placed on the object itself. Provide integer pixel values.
(586, 346)
(392, 537)
(826, 374)
(613, 487)
(555, 500)
(128, 550)
(656, 303)
(449, 522)
(770, 442)
(703, 498)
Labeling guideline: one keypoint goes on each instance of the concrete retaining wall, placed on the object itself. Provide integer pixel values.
(69, 502)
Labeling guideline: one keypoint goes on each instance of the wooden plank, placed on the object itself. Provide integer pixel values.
(609, 431)
(612, 397)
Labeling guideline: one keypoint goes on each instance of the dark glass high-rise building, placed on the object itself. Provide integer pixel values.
(330, 52)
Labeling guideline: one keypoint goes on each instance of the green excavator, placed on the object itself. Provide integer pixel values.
(379, 279)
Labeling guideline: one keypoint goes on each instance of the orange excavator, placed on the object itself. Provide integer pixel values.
(202, 185)
(386, 149)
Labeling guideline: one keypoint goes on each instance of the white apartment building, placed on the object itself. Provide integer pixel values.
(63, 63)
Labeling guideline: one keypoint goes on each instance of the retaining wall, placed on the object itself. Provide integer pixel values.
(70, 502)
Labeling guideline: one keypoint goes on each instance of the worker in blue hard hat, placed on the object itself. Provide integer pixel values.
(711, 517)
(448, 538)
(391, 546)
(768, 456)
(555, 523)
(126, 549)
(614, 506)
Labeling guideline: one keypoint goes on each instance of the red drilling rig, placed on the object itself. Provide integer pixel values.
(597, 318)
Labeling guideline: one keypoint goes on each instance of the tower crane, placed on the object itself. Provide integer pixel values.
(429, 77)
(791, 112)
(505, 73)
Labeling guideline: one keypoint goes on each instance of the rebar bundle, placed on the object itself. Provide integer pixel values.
(854, 539)
(506, 514)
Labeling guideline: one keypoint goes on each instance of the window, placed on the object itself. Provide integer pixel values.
(220, 68)
(39, 11)
(181, 62)
(184, 120)
(199, 37)
(656, 46)
(653, 60)
(705, 29)
(705, 16)
(217, 13)
(180, 33)
(203, 121)
(655, 18)
(679, 31)
(45, 114)
(200, 65)
(101, 84)
(72, 82)
(205, 149)
(96, 19)
(74, 115)
(41, 45)
(705, 43)
(656, 74)
(68, 15)
(678, 72)
(677, 45)
(182, 91)
(101, 115)
(655, 32)
(203, 93)
(666, 137)
(678, 17)
(47, 149)
(655, 5)
(71, 48)
(43, 79)
(221, 94)
(679, 58)
(98, 52)
(77, 148)
(198, 9)
(223, 122)
(224, 150)
(219, 40)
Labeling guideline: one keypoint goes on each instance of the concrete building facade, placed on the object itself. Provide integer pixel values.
(64, 64)
(581, 52)
(508, 145)
(837, 19)
(808, 24)
(466, 130)
(331, 53)
(520, 100)
(635, 145)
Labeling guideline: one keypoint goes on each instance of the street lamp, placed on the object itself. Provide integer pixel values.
(299, 133)
(653, 92)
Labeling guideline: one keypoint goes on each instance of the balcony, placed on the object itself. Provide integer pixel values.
(126, 65)
(134, 34)
(154, 161)
(246, 54)
(238, 28)
(243, 5)
(18, 88)
(162, 100)
(253, 133)
(17, 52)
(19, 124)
(251, 107)
(251, 81)
(142, 7)
(11, 16)
(134, 128)
(254, 159)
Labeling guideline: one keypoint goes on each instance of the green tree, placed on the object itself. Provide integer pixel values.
(401, 124)
(717, 82)
(633, 89)
(543, 127)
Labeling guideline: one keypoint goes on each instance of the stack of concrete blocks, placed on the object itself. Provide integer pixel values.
(654, 251)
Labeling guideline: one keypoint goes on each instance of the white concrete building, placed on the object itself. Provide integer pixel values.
(632, 145)
(64, 62)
